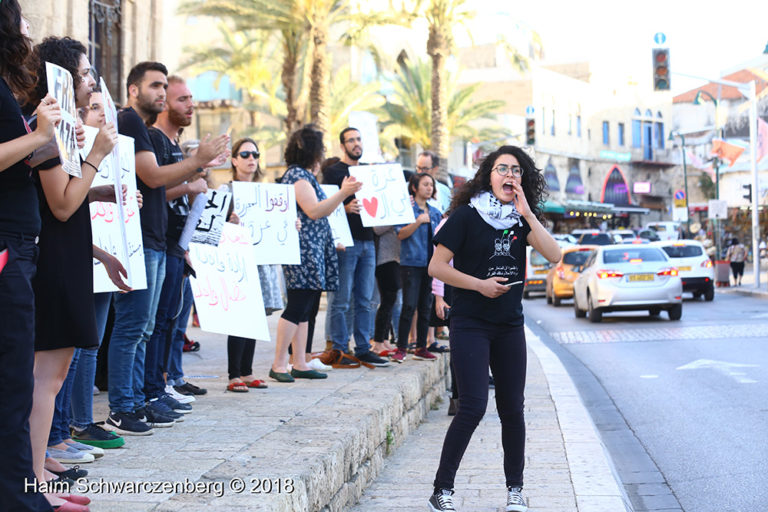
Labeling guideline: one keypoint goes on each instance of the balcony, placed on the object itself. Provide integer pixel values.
(654, 156)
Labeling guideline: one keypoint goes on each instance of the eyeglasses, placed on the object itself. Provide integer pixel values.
(423, 169)
(355, 139)
(246, 154)
(505, 170)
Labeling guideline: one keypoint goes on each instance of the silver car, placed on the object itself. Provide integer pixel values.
(628, 277)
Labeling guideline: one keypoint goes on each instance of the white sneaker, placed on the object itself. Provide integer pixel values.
(515, 500)
(93, 450)
(317, 364)
(182, 399)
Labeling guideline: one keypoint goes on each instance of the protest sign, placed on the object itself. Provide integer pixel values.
(227, 289)
(213, 217)
(384, 199)
(338, 220)
(61, 87)
(268, 211)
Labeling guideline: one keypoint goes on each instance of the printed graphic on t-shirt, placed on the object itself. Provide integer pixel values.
(503, 248)
(502, 244)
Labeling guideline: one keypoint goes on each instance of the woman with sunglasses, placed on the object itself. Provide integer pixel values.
(493, 218)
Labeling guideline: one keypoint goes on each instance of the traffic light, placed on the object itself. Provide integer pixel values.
(748, 190)
(661, 69)
(530, 131)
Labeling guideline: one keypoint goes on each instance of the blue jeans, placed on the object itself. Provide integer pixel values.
(84, 362)
(175, 374)
(357, 266)
(165, 323)
(134, 323)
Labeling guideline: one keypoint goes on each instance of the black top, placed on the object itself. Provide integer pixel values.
(168, 152)
(334, 175)
(154, 213)
(18, 197)
(483, 251)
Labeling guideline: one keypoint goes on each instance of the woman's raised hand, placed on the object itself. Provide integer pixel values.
(350, 185)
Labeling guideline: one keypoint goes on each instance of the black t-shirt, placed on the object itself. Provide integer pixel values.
(19, 211)
(154, 213)
(168, 152)
(483, 251)
(334, 175)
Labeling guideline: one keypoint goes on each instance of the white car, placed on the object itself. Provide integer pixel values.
(665, 230)
(693, 265)
(626, 277)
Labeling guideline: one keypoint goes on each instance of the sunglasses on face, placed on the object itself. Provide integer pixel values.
(506, 170)
(246, 154)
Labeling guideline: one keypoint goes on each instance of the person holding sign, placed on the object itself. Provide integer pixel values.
(494, 217)
(415, 252)
(319, 269)
(19, 228)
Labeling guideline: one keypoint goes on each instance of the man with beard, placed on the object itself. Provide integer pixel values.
(135, 311)
(357, 265)
(164, 134)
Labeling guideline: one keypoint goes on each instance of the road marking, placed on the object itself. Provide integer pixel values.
(723, 367)
(649, 376)
(700, 332)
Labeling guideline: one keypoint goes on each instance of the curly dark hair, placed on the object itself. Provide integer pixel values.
(62, 51)
(533, 182)
(305, 147)
(17, 64)
(413, 183)
(236, 148)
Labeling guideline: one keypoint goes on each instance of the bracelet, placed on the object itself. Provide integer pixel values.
(89, 163)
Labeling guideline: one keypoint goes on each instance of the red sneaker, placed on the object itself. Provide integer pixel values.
(424, 355)
(398, 356)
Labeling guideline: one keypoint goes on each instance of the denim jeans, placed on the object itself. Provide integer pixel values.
(84, 362)
(175, 374)
(356, 281)
(165, 323)
(134, 322)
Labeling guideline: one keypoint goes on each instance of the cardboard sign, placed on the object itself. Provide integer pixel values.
(227, 289)
(61, 87)
(338, 220)
(117, 228)
(211, 223)
(268, 211)
(384, 199)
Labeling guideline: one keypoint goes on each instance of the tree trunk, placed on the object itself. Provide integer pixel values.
(438, 51)
(319, 95)
(288, 77)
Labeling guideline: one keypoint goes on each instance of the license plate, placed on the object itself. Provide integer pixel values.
(542, 271)
(683, 268)
(641, 277)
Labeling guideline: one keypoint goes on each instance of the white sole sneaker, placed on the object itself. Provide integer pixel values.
(182, 399)
(317, 364)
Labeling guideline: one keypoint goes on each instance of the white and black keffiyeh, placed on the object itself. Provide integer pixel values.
(494, 212)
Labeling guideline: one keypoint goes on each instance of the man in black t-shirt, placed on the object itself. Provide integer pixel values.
(357, 264)
(135, 311)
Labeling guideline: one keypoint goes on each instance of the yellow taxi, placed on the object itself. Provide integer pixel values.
(560, 278)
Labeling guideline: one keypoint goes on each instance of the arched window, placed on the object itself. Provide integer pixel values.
(637, 132)
(659, 130)
(105, 43)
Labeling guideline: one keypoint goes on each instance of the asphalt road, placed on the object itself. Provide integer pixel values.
(683, 406)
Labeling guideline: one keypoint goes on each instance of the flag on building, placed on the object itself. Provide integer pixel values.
(762, 138)
(725, 151)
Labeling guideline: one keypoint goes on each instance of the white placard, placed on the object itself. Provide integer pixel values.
(384, 199)
(61, 87)
(717, 209)
(268, 211)
(338, 220)
(211, 223)
(120, 239)
(227, 289)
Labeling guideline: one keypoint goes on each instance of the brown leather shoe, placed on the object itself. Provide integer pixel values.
(338, 359)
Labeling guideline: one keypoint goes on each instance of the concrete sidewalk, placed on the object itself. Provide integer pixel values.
(318, 445)
(748, 283)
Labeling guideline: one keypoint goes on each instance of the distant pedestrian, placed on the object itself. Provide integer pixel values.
(737, 255)
(493, 218)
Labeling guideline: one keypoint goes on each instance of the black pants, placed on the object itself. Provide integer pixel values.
(240, 355)
(737, 267)
(417, 295)
(388, 279)
(303, 306)
(17, 355)
(475, 345)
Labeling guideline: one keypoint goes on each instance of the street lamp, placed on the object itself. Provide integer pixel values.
(698, 101)
(672, 135)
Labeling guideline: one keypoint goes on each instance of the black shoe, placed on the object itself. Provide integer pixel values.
(72, 473)
(154, 418)
(128, 423)
(442, 501)
(369, 358)
(190, 389)
(453, 406)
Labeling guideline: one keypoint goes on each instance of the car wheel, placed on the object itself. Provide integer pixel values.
(578, 313)
(709, 295)
(556, 300)
(595, 314)
(675, 312)
(549, 299)
(654, 311)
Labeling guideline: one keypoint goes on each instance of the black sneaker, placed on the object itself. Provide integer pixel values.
(441, 501)
(128, 423)
(154, 419)
(369, 358)
(190, 389)
(174, 405)
(515, 500)
(158, 407)
(94, 435)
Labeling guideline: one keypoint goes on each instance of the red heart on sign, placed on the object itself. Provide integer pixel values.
(371, 206)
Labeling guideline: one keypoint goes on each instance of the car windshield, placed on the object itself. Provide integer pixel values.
(537, 259)
(632, 255)
(576, 257)
(626, 235)
(683, 251)
(658, 227)
(596, 239)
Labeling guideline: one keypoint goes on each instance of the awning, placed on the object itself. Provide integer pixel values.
(552, 207)
(631, 209)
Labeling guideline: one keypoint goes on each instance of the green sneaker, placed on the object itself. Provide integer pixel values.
(94, 435)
